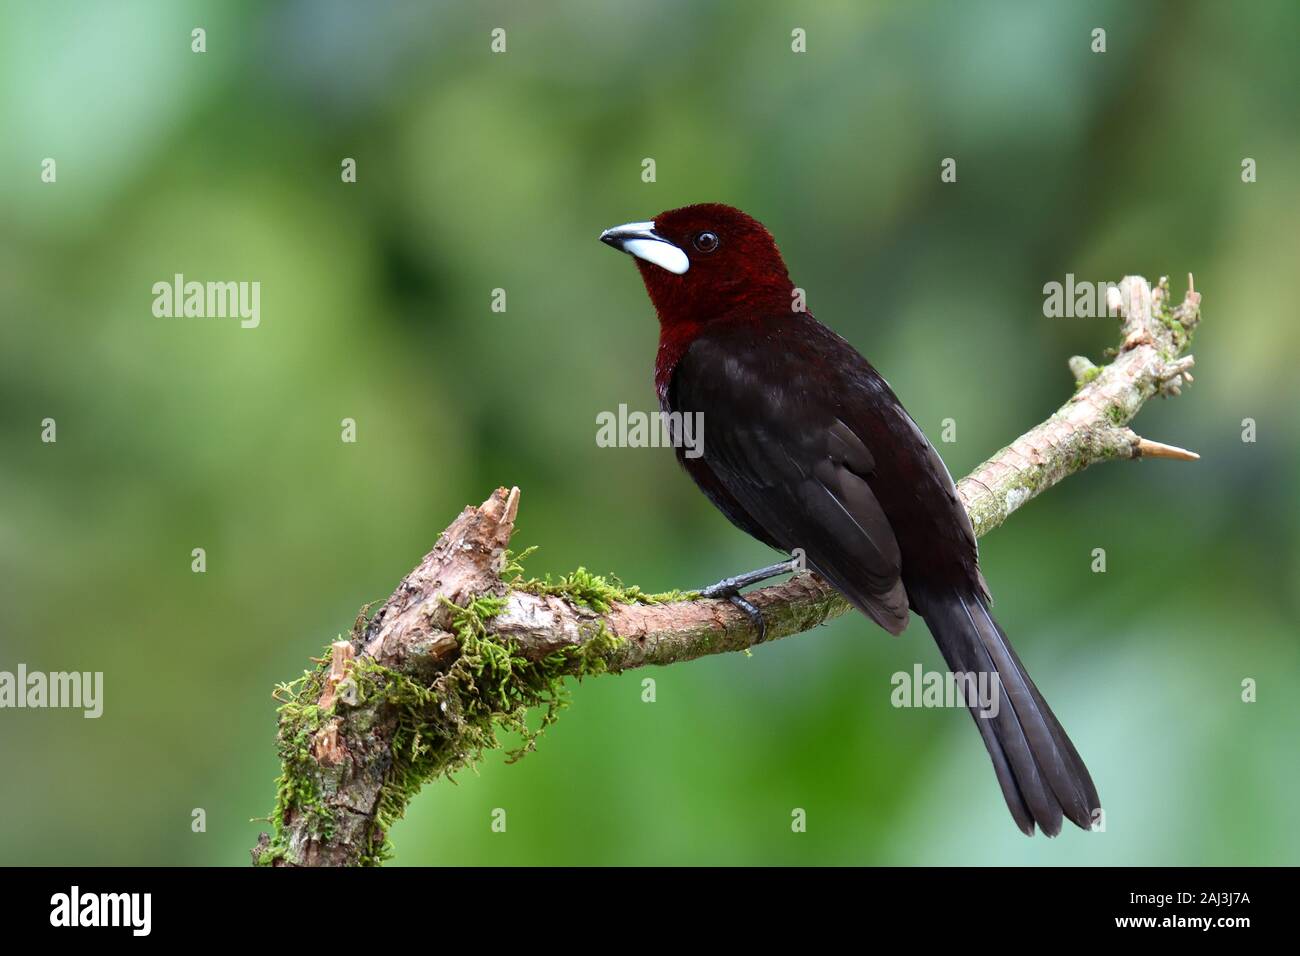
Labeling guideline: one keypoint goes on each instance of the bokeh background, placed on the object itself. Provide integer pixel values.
(479, 170)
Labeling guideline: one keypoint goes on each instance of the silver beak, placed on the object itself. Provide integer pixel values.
(640, 239)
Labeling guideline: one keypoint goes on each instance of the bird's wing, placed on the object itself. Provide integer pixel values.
(790, 460)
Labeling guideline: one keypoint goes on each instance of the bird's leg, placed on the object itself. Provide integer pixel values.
(729, 588)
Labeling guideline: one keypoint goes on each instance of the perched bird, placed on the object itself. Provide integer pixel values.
(807, 447)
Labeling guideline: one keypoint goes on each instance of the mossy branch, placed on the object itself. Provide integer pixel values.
(466, 647)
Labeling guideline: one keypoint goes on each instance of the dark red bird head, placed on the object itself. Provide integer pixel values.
(705, 262)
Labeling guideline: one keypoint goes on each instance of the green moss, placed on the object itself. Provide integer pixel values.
(490, 688)
(433, 730)
(269, 856)
(597, 592)
(296, 790)
(1180, 333)
(1089, 375)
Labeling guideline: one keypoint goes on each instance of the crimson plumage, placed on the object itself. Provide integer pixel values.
(808, 447)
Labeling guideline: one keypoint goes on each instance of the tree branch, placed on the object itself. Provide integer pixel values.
(458, 651)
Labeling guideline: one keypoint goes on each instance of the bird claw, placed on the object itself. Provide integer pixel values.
(726, 588)
(754, 614)
(731, 595)
(729, 589)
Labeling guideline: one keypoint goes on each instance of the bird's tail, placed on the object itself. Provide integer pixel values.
(1041, 774)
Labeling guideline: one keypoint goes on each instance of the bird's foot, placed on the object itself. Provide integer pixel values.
(729, 588)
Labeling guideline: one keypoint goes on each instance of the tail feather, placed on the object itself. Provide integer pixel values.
(1041, 774)
(1079, 799)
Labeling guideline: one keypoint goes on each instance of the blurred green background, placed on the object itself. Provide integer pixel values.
(479, 170)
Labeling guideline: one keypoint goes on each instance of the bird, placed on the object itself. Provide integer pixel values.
(808, 450)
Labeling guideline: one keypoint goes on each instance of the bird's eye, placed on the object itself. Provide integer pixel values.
(706, 241)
